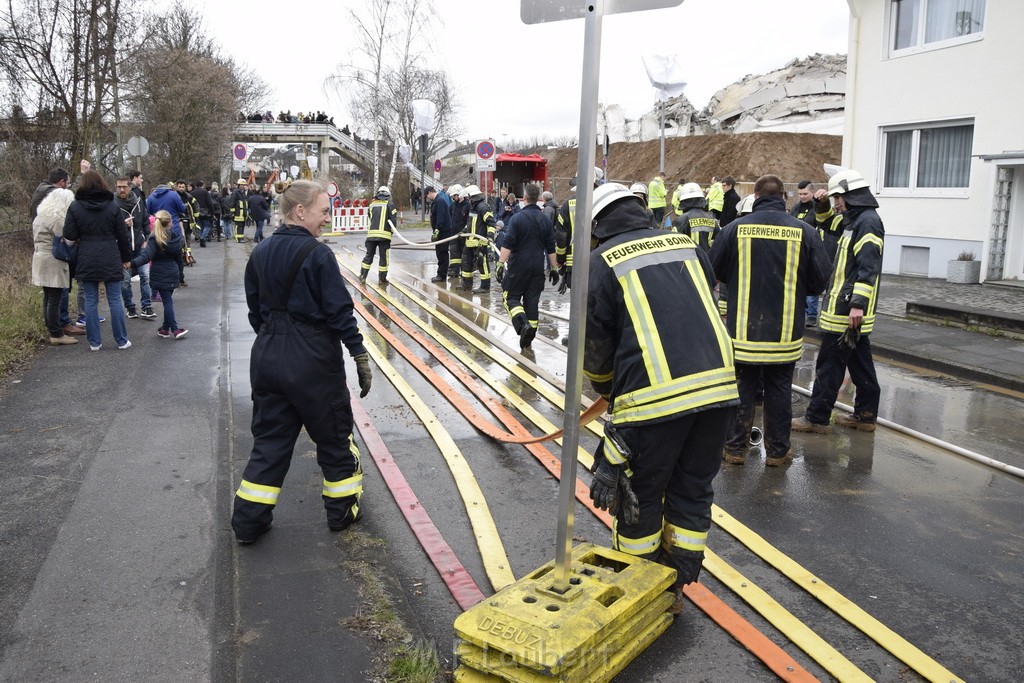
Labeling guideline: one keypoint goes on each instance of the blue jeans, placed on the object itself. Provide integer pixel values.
(207, 225)
(167, 295)
(225, 226)
(145, 291)
(92, 314)
(811, 307)
(259, 229)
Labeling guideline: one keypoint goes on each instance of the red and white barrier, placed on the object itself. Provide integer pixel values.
(350, 217)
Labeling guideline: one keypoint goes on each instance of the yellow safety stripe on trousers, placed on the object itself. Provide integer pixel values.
(634, 546)
(353, 486)
(492, 550)
(645, 328)
(769, 352)
(869, 238)
(487, 376)
(687, 539)
(707, 298)
(258, 493)
(599, 378)
(831, 598)
(863, 289)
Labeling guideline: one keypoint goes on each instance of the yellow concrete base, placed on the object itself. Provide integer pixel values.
(614, 608)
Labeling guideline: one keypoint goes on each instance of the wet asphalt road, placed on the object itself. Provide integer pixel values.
(927, 542)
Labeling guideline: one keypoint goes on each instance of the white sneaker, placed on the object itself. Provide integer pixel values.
(126, 345)
(96, 348)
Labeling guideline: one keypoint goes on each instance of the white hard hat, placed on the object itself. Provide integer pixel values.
(455, 190)
(608, 194)
(844, 181)
(638, 188)
(745, 206)
(471, 191)
(691, 191)
(383, 191)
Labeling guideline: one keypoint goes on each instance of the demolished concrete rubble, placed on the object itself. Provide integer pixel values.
(805, 96)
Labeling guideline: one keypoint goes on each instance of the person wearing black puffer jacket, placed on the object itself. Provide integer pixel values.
(94, 220)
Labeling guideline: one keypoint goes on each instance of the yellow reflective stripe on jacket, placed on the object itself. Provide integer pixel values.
(379, 228)
(686, 539)
(863, 289)
(258, 493)
(650, 341)
(676, 396)
(789, 302)
(612, 453)
(867, 239)
(706, 298)
(352, 486)
(768, 352)
(838, 274)
(635, 546)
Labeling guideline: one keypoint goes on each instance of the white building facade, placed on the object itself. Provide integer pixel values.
(935, 122)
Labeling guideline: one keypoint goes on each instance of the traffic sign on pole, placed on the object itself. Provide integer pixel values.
(437, 165)
(239, 156)
(332, 189)
(485, 156)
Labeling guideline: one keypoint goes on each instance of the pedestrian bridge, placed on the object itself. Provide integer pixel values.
(327, 136)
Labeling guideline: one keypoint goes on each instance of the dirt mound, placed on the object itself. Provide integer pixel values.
(791, 156)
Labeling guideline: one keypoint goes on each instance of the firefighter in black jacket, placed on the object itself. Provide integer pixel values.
(563, 238)
(302, 314)
(528, 243)
(696, 222)
(441, 228)
(238, 205)
(383, 216)
(658, 351)
(460, 215)
(848, 311)
(771, 262)
(478, 232)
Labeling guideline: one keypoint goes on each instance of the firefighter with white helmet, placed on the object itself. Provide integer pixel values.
(848, 310)
(660, 354)
(695, 220)
(383, 218)
(479, 230)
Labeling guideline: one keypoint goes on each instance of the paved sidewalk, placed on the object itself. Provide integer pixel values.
(977, 356)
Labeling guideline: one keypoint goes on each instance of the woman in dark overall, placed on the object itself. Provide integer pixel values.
(302, 314)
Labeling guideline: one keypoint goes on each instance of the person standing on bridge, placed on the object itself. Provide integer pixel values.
(848, 311)
(771, 261)
(382, 215)
(657, 350)
(302, 313)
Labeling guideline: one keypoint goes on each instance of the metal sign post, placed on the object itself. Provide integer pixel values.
(578, 300)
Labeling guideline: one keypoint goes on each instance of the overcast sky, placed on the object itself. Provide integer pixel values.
(517, 81)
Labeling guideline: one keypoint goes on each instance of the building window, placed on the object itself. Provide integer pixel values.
(930, 157)
(924, 24)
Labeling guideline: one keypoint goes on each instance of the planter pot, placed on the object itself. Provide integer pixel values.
(963, 272)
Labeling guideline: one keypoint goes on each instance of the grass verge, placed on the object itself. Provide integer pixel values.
(21, 304)
(403, 659)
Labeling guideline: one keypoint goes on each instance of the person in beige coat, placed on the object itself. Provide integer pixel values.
(47, 272)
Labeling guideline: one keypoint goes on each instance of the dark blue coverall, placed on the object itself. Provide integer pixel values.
(302, 314)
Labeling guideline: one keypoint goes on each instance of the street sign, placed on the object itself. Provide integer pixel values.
(239, 155)
(137, 146)
(485, 149)
(437, 175)
(332, 189)
(437, 165)
(485, 152)
(543, 11)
